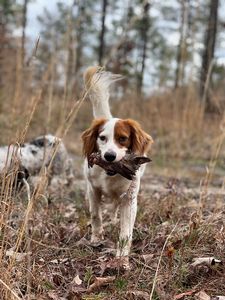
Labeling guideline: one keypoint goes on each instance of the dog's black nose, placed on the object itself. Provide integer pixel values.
(110, 156)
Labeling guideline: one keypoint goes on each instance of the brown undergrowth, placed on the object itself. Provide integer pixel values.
(44, 241)
(64, 265)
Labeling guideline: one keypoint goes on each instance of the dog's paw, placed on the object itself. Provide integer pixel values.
(97, 238)
(124, 261)
(121, 263)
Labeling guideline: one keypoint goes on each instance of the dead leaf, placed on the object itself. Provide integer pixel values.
(83, 242)
(181, 296)
(17, 255)
(139, 295)
(100, 281)
(58, 261)
(210, 261)
(74, 291)
(170, 252)
(57, 278)
(54, 261)
(53, 296)
(77, 280)
(202, 296)
(147, 257)
(194, 221)
(70, 211)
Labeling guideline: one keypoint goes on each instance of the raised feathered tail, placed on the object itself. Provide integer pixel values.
(97, 82)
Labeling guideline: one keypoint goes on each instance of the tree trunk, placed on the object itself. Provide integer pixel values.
(144, 37)
(179, 75)
(3, 37)
(19, 90)
(2, 43)
(79, 35)
(102, 34)
(208, 53)
(24, 24)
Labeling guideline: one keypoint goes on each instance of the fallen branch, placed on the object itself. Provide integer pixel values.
(99, 282)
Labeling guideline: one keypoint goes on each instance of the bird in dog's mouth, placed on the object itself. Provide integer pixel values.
(126, 167)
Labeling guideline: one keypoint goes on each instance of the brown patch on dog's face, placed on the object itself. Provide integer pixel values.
(122, 134)
(90, 136)
(129, 134)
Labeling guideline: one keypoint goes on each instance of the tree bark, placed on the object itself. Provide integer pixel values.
(19, 90)
(79, 35)
(2, 43)
(102, 33)
(179, 75)
(208, 53)
(3, 36)
(144, 36)
(24, 24)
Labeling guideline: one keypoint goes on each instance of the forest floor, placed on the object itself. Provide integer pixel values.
(178, 220)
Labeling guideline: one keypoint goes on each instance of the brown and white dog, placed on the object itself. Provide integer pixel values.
(113, 137)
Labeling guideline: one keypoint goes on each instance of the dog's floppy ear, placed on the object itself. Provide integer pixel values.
(140, 140)
(90, 136)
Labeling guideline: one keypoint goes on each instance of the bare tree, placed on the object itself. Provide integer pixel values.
(79, 34)
(69, 50)
(6, 17)
(208, 53)
(18, 95)
(181, 49)
(144, 28)
(102, 33)
(24, 24)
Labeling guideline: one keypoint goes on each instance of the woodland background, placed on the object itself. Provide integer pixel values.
(171, 50)
(172, 56)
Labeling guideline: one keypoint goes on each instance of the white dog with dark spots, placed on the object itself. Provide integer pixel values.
(113, 137)
(36, 154)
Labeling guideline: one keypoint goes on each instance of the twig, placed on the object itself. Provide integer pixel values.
(28, 242)
(34, 52)
(143, 264)
(160, 258)
(11, 291)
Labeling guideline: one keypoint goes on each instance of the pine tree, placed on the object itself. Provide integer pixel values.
(143, 26)
(208, 53)
(24, 24)
(182, 45)
(7, 14)
(101, 50)
(80, 31)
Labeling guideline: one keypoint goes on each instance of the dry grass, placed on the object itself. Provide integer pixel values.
(43, 244)
(58, 250)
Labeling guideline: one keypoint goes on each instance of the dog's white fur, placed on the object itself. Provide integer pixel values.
(37, 153)
(109, 143)
(98, 84)
(99, 185)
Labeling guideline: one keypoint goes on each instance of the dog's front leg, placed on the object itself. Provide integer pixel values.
(128, 211)
(94, 198)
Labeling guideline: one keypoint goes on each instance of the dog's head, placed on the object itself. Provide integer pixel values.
(114, 137)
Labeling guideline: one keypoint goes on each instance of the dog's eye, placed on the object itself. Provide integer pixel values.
(102, 138)
(123, 139)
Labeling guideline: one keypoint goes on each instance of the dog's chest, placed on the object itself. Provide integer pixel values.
(109, 185)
